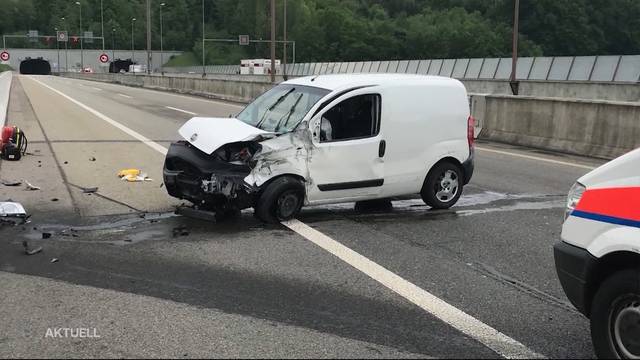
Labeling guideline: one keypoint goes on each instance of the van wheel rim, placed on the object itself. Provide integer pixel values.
(446, 188)
(287, 204)
(626, 328)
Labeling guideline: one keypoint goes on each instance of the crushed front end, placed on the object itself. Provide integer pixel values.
(211, 182)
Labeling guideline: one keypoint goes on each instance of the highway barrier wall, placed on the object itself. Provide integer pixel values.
(5, 90)
(597, 128)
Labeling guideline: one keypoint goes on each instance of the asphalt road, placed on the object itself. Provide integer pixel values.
(154, 284)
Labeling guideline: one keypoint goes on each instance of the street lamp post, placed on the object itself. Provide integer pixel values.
(133, 46)
(204, 70)
(161, 45)
(113, 39)
(102, 23)
(66, 47)
(514, 60)
(81, 38)
(58, 47)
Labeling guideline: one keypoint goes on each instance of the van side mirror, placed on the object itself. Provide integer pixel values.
(314, 127)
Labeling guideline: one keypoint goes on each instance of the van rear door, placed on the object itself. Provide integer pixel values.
(347, 159)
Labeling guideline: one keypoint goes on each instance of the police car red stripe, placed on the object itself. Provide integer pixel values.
(612, 205)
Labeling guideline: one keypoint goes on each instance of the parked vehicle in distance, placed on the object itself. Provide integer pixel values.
(598, 259)
(329, 139)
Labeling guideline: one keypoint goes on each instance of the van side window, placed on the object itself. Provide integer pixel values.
(354, 118)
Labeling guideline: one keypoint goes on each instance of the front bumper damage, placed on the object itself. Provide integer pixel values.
(209, 181)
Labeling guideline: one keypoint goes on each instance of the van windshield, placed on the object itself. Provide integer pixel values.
(280, 109)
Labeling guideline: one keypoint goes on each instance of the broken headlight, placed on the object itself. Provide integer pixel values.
(575, 194)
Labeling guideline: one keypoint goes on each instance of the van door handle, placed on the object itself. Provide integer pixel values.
(382, 148)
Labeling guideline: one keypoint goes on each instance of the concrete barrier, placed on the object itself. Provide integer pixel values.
(602, 129)
(5, 90)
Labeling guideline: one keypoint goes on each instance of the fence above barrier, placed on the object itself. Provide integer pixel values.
(609, 68)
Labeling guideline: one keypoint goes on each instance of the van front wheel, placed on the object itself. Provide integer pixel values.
(281, 200)
(443, 186)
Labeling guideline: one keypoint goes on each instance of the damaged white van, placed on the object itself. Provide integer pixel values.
(329, 139)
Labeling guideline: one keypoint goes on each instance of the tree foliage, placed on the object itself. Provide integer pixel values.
(344, 30)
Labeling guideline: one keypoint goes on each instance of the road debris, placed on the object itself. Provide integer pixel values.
(180, 231)
(92, 159)
(91, 190)
(12, 209)
(133, 175)
(46, 235)
(54, 260)
(28, 250)
(55, 199)
(196, 213)
(11, 183)
(30, 186)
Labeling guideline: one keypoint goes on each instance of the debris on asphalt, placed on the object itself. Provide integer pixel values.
(180, 231)
(46, 235)
(28, 250)
(11, 183)
(91, 190)
(54, 260)
(66, 162)
(92, 159)
(196, 213)
(133, 175)
(30, 186)
(12, 209)
(54, 199)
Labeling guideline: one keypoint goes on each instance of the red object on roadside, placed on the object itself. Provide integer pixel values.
(7, 133)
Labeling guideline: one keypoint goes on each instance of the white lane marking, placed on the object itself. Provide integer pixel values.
(463, 322)
(537, 158)
(490, 337)
(95, 88)
(125, 96)
(154, 145)
(180, 110)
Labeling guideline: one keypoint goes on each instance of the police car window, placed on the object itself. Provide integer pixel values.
(354, 118)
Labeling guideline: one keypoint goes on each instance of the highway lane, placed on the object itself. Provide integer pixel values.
(490, 256)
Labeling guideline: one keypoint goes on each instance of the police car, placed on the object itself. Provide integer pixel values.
(598, 259)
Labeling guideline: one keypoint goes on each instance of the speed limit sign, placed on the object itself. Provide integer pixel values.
(104, 58)
(4, 56)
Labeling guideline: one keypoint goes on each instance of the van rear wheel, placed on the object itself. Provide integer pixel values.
(443, 186)
(281, 200)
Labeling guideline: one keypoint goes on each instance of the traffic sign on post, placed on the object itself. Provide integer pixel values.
(88, 37)
(243, 39)
(4, 56)
(104, 58)
(62, 36)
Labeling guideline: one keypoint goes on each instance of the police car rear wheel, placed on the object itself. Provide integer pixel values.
(615, 317)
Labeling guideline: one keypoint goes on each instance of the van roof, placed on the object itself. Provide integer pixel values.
(341, 81)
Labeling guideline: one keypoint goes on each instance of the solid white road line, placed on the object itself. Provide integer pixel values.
(536, 158)
(490, 337)
(180, 110)
(154, 145)
(463, 322)
(125, 96)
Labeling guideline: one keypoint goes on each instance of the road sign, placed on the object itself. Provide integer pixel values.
(88, 37)
(243, 39)
(63, 36)
(104, 58)
(4, 56)
(33, 35)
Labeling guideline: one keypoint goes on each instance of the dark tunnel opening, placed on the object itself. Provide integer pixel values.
(37, 66)
(118, 65)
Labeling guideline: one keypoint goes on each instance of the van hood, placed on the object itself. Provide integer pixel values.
(621, 172)
(209, 134)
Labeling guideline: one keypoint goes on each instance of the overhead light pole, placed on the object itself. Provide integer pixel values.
(81, 39)
(273, 41)
(149, 62)
(284, 44)
(133, 21)
(102, 23)
(204, 70)
(161, 45)
(514, 57)
(113, 39)
(66, 46)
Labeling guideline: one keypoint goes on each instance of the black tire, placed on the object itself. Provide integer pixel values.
(281, 200)
(432, 185)
(620, 292)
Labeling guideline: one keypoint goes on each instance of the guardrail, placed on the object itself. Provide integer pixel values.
(610, 68)
(5, 89)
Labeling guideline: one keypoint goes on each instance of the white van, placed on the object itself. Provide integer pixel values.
(598, 260)
(329, 139)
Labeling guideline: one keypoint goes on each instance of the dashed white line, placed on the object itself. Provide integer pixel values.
(180, 110)
(536, 158)
(463, 322)
(125, 96)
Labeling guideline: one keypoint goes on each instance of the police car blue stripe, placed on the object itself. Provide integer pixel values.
(606, 219)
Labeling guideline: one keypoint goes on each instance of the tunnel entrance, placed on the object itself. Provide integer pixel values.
(118, 65)
(37, 66)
